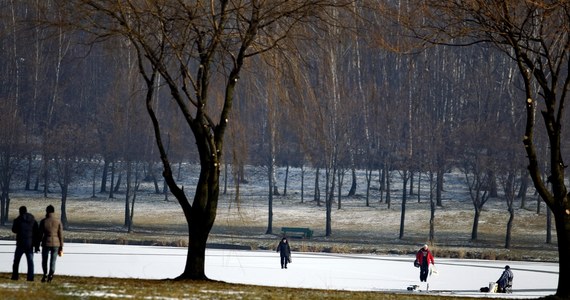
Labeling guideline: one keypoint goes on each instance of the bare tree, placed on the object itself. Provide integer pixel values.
(11, 148)
(67, 158)
(196, 47)
(536, 35)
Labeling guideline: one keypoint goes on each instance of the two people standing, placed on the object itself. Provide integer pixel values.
(284, 252)
(29, 236)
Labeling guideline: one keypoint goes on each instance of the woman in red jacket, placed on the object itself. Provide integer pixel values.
(424, 258)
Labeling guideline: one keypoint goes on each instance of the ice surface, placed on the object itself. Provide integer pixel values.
(459, 277)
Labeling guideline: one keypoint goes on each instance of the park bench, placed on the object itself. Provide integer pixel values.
(299, 232)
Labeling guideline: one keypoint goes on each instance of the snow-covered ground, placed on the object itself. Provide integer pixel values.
(457, 277)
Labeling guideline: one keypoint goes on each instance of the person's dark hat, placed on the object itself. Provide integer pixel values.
(507, 267)
(50, 209)
(23, 210)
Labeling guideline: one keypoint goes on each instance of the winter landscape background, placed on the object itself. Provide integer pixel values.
(363, 253)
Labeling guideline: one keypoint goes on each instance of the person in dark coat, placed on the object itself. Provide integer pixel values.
(285, 252)
(27, 240)
(505, 281)
(424, 258)
(51, 232)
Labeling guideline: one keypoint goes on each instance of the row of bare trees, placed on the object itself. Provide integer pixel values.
(328, 84)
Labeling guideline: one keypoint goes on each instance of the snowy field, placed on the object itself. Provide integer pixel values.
(455, 277)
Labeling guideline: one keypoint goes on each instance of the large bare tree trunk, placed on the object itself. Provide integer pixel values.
(200, 220)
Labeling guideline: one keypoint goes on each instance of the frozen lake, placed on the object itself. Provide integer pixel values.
(308, 270)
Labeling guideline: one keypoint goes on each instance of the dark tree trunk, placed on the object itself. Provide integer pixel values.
(340, 175)
(381, 181)
(509, 228)
(405, 178)
(562, 223)
(286, 180)
(493, 193)
(270, 199)
(93, 183)
(165, 191)
(419, 186)
(328, 203)
(353, 186)
(225, 179)
(411, 182)
(475, 227)
(439, 187)
(241, 173)
(134, 190)
(302, 184)
(117, 186)
(523, 189)
(388, 198)
(432, 209)
(111, 189)
(156, 185)
(29, 172)
(317, 194)
(64, 222)
(37, 183)
(196, 255)
(548, 225)
(179, 170)
(45, 177)
(127, 223)
(200, 216)
(104, 176)
(6, 170)
(368, 182)
(4, 206)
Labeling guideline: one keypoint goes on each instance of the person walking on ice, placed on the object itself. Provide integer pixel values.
(424, 259)
(285, 252)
